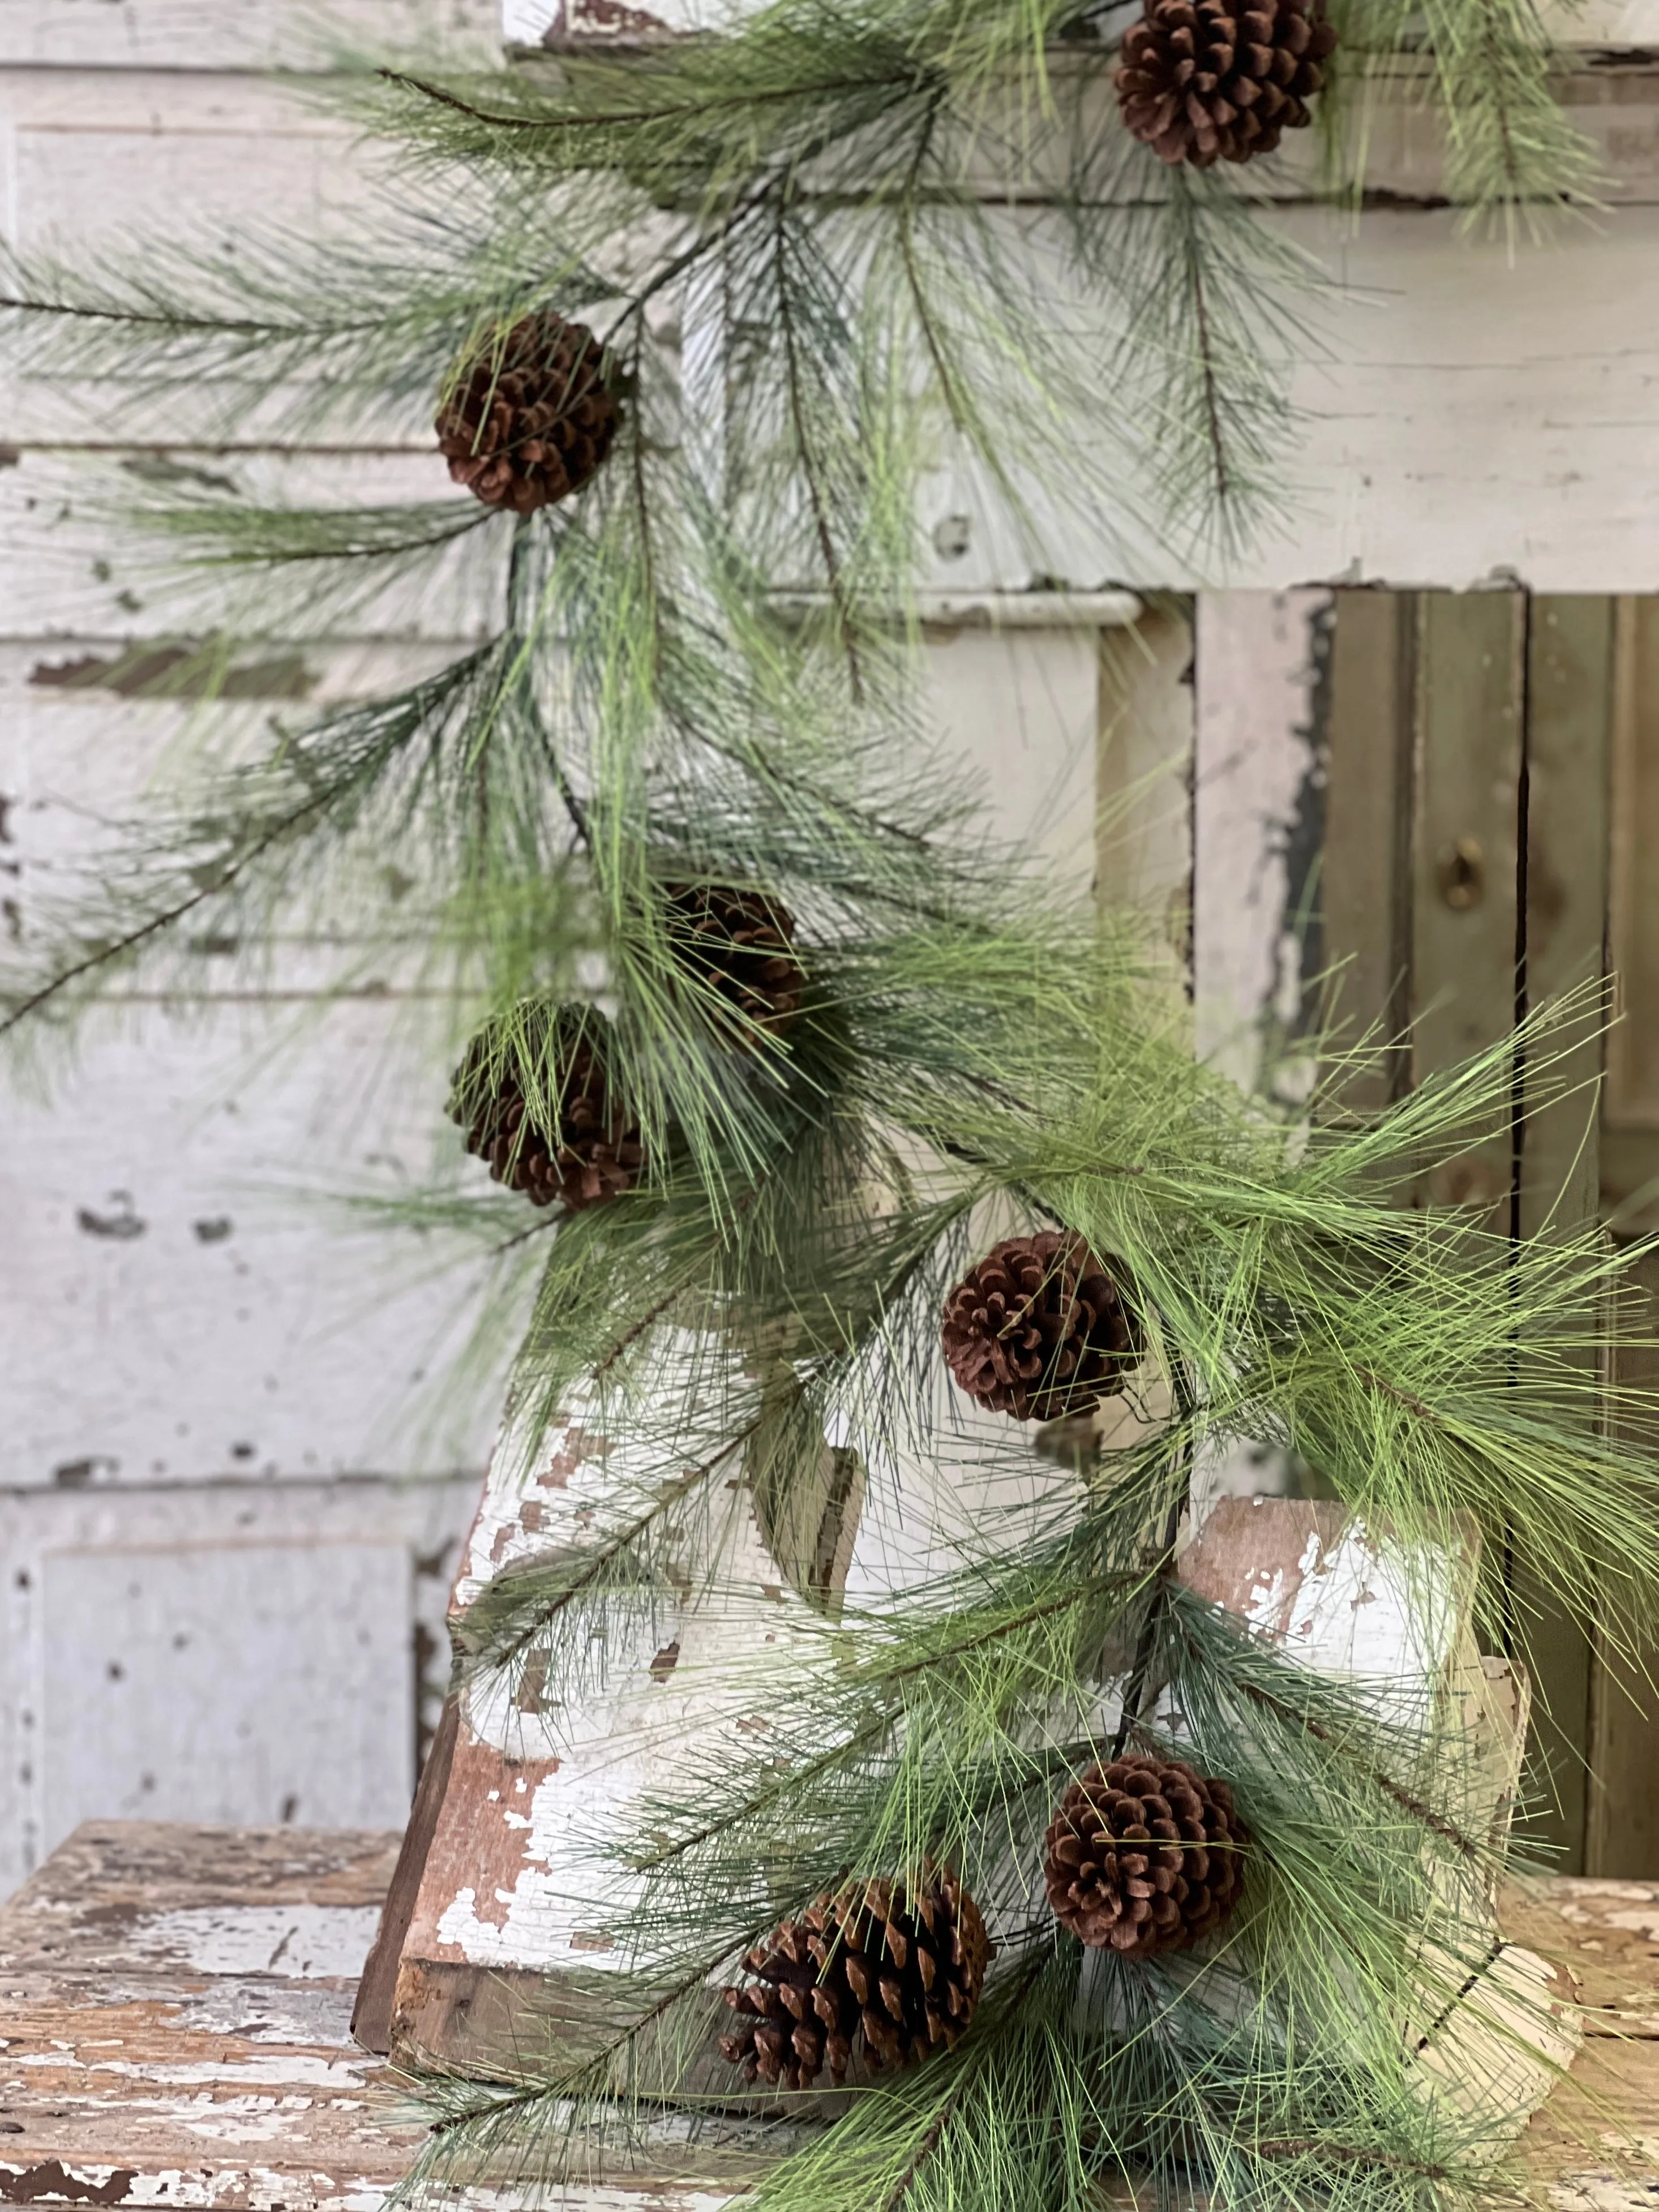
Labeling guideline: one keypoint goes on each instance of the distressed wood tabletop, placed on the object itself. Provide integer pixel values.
(174, 2009)
(175, 2005)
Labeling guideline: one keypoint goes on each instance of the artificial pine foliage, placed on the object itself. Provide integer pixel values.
(1145, 1855)
(890, 1969)
(530, 416)
(1039, 1328)
(1206, 81)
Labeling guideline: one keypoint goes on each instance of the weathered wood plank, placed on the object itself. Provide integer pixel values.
(1469, 679)
(1144, 784)
(1616, 24)
(1364, 887)
(1569, 703)
(174, 2005)
(1623, 1799)
(70, 566)
(202, 35)
(1258, 829)
(1632, 1098)
(148, 2063)
(1570, 684)
(247, 1647)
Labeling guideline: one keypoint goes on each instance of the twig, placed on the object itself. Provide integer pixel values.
(913, 274)
(1134, 1689)
(156, 319)
(671, 1495)
(1413, 1405)
(947, 2111)
(814, 493)
(157, 922)
(683, 110)
(1406, 1799)
(1211, 404)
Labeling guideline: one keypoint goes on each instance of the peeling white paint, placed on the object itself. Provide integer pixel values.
(299, 1942)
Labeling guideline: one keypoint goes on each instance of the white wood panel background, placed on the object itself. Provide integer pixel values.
(228, 1518)
(1475, 415)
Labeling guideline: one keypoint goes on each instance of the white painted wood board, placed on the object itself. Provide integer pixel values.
(1465, 417)
(156, 2057)
(228, 1682)
(1583, 23)
(1256, 809)
(249, 1650)
(1473, 410)
(172, 1308)
(72, 566)
(251, 34)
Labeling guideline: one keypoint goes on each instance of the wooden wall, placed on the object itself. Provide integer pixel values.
(1446, 800)
(225, 1545)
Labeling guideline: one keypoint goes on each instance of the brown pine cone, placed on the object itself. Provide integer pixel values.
(594, 1150)
(530, 416)
(892, 1968)
(742, 946)
(1144, 1856)
(1039, 1329)
(1206, 81)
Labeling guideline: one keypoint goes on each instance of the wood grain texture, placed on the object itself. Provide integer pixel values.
(174, 2003)
(1143, 784)
(1365, 875)
(1570, 687)
(162, 2048)
(1569, 696)
(371, 2016)
(1633, 1099)
(1470, 677)
(1257, 829)
(1623, 1790)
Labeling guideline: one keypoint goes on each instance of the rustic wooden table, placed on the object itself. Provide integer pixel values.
(174, 2005)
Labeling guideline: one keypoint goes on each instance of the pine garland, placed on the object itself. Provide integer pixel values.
(700, 677)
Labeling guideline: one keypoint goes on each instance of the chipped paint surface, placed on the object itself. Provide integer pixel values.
(299, 1942)
(514, 1877)
(159, 2049)
(136, 2075)
(1311, 1576)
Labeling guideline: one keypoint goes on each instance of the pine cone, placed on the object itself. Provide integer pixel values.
(742, 944)
(1039, 1329)
(1203, 81)
(895, 1966)
(530, 416)
(594, 1152)
(1144, 1856)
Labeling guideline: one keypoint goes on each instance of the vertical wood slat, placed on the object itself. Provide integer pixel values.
(1569, 715)
(1630, 1118)
(1438, 706)
(1470, 692)
(1624, 1722)
(1365, 885)
(1622, 1826)
(1633, 1048)
(1144, 802)
(1569, 720)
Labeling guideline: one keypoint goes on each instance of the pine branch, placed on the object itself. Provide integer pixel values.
(804, 448)
(164, 920)
(696, 108)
